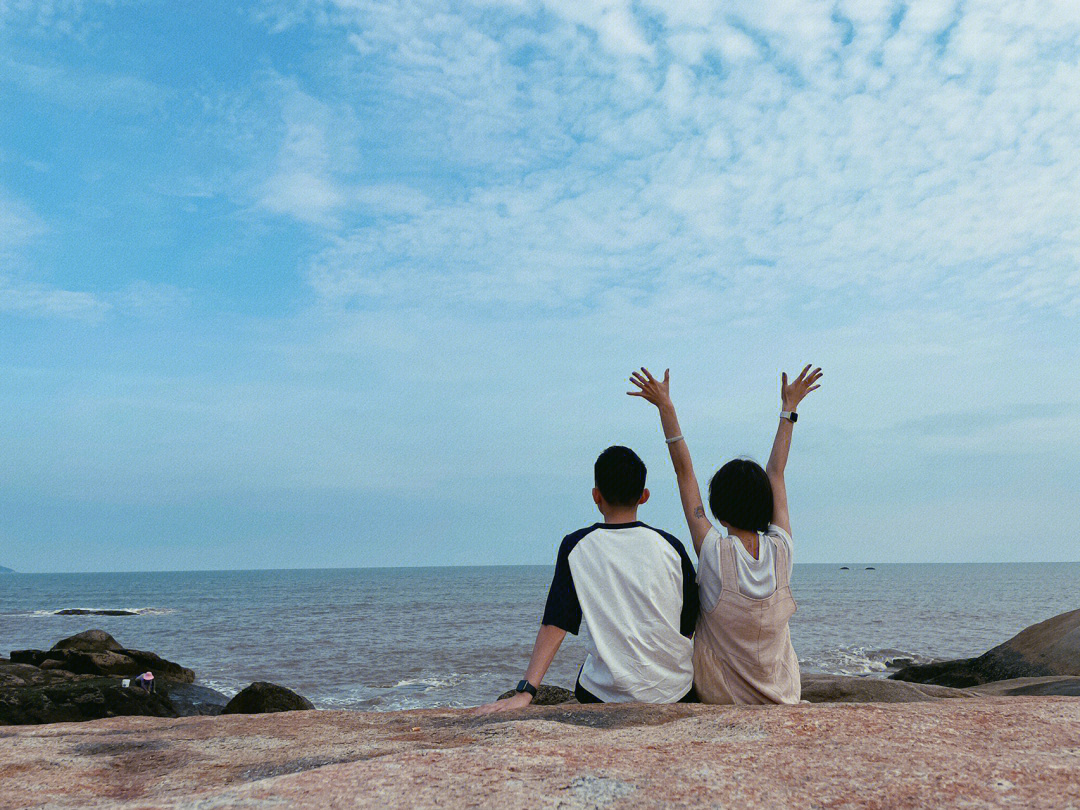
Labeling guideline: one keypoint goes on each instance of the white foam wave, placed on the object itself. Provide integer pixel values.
(430, 683)
(862, 661)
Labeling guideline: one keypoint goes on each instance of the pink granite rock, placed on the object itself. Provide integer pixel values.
(1018, 752)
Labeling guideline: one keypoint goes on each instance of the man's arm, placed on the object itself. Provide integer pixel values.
(790, 395)
(547, 644)
(658, 393)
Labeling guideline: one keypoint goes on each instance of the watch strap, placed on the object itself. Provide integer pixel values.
(525, 686)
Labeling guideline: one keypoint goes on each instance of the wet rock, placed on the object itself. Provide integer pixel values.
(897, 663)
(14, 675)
(1063, 685)
(191, 700)
(547, 696)
(92, 612)
(95, 652)
(76, 699)
(853, 689)
(262, 698)
(1048, 648)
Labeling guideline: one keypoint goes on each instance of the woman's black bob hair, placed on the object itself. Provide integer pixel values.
(741, 496)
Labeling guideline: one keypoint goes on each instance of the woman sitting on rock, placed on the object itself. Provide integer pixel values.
(742, 645)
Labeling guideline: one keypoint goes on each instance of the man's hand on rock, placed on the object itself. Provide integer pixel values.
(518, 701)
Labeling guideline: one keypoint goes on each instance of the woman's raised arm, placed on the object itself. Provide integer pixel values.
(658, 393)
(790, 395)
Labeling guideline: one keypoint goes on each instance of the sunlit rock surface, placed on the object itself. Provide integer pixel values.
(1017, 751)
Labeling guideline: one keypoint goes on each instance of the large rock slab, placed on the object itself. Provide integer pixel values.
(1051, 647)
(95, 652)
(853, 689)
(1017, 752)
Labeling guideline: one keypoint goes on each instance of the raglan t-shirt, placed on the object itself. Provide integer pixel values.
(634, 587)
(756, 578)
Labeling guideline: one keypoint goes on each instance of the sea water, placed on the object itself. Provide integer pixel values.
(383, 639)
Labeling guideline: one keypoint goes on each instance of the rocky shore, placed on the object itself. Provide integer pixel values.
(913, 741)
(83, 678)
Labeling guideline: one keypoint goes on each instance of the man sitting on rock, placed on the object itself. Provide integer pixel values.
(635, 588)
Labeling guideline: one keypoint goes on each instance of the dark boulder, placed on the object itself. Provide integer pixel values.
(90, 612)
(262, 698)
(191, 700)
(89, 641)
(1048, 648)
(547, 696)
(95, 652)
(855, 689)
(76, 699)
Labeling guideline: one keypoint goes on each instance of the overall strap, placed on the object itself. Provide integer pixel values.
(728, 578)
(782, 560)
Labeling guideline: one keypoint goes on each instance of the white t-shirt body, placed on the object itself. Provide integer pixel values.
(635, 589)
(756, 578)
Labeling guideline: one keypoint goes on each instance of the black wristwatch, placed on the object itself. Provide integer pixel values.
(525, 686)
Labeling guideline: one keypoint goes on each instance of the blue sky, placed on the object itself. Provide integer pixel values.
(360, 283)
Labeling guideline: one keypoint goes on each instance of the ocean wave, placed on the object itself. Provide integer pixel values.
(862, 661)
(99, 611)
(433, 682)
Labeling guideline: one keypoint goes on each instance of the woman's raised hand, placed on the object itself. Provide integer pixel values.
(655, 391)
(791, 394)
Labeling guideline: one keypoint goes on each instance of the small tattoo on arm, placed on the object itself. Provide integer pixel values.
(699, 512)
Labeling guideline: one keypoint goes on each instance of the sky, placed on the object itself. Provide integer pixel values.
(351, 283)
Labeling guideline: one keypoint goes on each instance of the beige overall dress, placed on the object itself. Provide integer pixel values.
(742, 649)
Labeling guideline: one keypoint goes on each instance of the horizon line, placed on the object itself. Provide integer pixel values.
(481, 565)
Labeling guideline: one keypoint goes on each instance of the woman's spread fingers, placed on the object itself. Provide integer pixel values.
(648, 376)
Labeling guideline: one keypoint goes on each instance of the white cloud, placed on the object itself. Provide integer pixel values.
(43, 300)
(848, 148)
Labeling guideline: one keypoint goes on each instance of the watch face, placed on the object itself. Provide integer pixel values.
(794, 417)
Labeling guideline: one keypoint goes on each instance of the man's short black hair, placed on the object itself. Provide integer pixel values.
(620, 476)
(741, 496)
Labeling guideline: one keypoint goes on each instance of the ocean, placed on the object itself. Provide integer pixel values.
(385, 639)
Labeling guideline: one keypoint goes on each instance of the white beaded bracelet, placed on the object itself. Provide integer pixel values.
(674, 439)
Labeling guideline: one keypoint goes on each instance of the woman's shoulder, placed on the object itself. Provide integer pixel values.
(779, 536)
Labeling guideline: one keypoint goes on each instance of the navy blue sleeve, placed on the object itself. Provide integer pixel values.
(691, 604)
(563, 609)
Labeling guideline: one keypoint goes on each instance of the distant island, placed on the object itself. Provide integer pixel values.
(7, 570)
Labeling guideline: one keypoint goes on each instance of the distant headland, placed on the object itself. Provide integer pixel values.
(7, 570)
